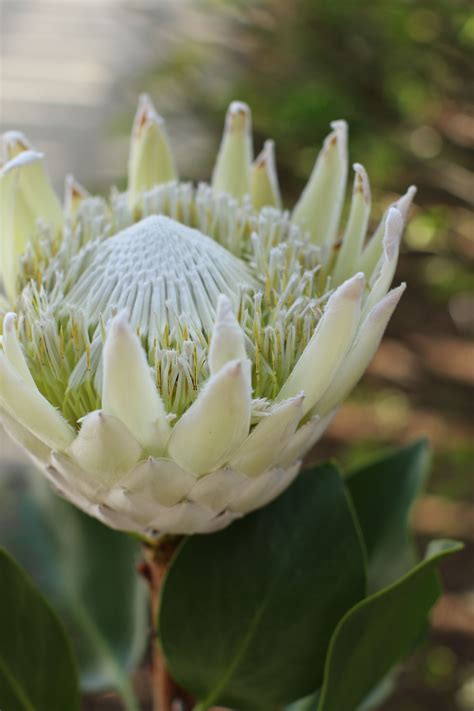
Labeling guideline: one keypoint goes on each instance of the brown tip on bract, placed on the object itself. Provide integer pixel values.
(238, 116)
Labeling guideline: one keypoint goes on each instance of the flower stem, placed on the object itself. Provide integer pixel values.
(166, 693)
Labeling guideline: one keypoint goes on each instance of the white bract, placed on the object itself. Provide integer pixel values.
(169, 355)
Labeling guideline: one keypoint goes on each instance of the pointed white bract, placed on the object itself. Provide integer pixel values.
(374, 247)
(31, 409)
(261, 450)
(232, 169)
(74, 195)
(383, 275)
(151, 161)
(320, 206)
(37, 450)
(14, 350)
(170, 355)
(36, 188)
(154, 481)
(227, 340)
(264, 186)
(354, 236)
(263, 489)
(324, 353)
(105, 448)
(17, 225)
(359, 357)
(26, 197)
(128, 390)
(217, 423)
(12, 143)
(306, 437)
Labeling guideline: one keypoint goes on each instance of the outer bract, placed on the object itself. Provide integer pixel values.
(169, 355)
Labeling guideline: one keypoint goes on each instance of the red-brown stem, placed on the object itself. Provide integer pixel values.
(167, 694)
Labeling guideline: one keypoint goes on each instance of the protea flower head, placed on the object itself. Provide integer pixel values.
(171, 353)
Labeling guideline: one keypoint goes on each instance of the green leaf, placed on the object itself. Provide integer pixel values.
(85, 570)
(246, 614)
(37, 671)
(379, 631)
(379, 693)
(309, 703)
(383, 493)
(371, 701)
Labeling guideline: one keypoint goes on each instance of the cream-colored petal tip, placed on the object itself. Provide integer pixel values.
(22, 159)
(238, 115)
(74, 187)
(238, 107)
(340, 125)
(224, 309)
(144, 101)
(393, 231)
(362, 180)
(147, 112)
(9, 322)
(266, 157)
(388, 303)
(353, 288)
(12, 138)
(119, 323)
(234, 368)
(411, 192)
(404, 202)
(396, 293)
(340, 129)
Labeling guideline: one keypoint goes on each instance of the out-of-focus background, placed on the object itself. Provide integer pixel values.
(401, 74)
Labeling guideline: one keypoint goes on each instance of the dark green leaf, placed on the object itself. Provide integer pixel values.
(371, 701)
(382, 691)
(87, 572)
(383, 493)
(379, 631)
(37, 671)
(309, 703)
(247, 614)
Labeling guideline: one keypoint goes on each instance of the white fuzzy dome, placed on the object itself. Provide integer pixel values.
(159, 269)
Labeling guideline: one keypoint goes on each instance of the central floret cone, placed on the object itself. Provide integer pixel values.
(160, 272)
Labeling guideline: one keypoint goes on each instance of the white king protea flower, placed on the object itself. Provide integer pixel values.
(169, 355)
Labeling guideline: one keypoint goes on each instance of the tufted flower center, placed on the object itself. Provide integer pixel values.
(158, 270)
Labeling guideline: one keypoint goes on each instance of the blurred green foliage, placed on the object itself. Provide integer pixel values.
(397, 71)
(393, 70)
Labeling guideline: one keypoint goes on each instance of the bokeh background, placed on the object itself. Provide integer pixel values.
(401, 74)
